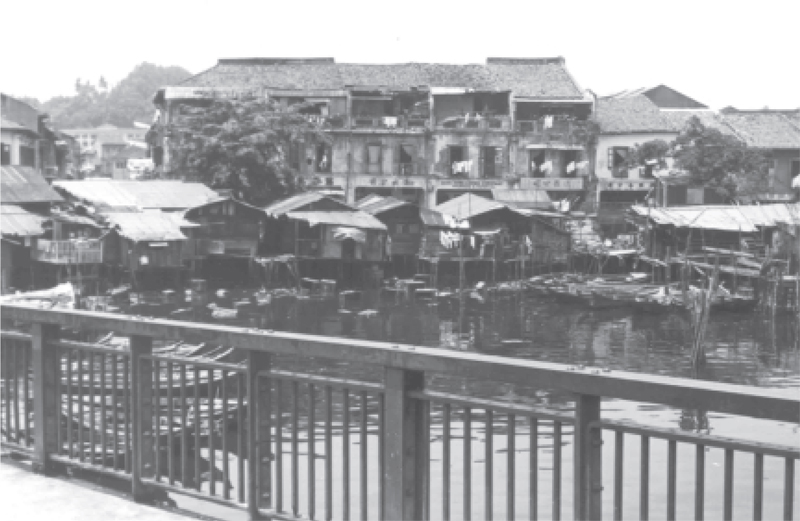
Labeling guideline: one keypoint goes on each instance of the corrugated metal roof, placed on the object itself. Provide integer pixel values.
(355, 219)
(300, 200)
(23, 184)
(109, 195)
(468, 205)
(384, 204)
(433, 218)
(725, 218)
(17, 221)
(523, 198)
(149, 226)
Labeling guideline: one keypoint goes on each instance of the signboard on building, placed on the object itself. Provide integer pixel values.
(626, 184)
(207, 93)
(552, 183)
(470, 183)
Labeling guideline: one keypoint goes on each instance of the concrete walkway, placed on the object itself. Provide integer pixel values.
(25, 495)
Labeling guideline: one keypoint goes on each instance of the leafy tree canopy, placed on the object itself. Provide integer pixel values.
(711, 158)
(128, 101)
(720, 161)
(242, 144)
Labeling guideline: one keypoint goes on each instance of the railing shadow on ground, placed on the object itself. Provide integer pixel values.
(235, 427)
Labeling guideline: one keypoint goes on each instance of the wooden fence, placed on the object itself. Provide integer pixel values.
(248, 433)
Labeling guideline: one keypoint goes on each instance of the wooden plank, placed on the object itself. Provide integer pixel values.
(403, 475)
(142, 405)
(777, 404)
(587, 485)
(46, 409)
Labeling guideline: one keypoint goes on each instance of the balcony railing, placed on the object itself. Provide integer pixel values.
(89, 251)
(479, 122)
(281, 440)
(389, 122)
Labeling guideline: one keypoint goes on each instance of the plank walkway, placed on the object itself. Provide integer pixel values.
(25, 495)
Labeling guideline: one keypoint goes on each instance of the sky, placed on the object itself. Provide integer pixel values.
(721, 53)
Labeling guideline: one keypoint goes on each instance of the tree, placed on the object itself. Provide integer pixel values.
(720, 161)
(243, 144)
(130, 100)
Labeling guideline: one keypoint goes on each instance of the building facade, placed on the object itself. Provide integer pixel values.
(98, 146)
(423, 133)
(28, 141)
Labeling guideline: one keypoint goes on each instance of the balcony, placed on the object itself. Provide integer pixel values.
(88, 251)
(475, 121)
(558, 131)
(409, 123)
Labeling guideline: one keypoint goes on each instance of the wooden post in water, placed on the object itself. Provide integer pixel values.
(46, 406)
(405, 457)
(142, 404)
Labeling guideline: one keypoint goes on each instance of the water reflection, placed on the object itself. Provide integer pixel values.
(742, 348)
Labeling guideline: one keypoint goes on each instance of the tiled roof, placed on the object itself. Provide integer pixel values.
(110, 196)
(631, 114)
(538, 78)
(23, 184)
(765, 129)
(149, 226)
(22, 223)
(727, 218)
(708, 118)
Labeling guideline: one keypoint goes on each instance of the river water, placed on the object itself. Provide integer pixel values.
(742, 348)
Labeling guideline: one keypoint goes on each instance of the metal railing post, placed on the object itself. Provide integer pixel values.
(46, 409)
(404, 454)
(259, 443)
(588, 459)
(142, 403)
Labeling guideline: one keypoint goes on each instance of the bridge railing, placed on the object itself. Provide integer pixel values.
(257, 425)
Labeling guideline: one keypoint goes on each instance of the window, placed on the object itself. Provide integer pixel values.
(491, 161)
(6, 155)
(322, 161)
(536, 163)
(122, 164)
(795, 169)
(570, 163)
(27, 156)
(459, 161)
(407, 153)
(617, 161)
(373, 159)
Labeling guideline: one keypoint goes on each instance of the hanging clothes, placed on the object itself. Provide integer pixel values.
(548, 121)
(546, 166)
(571, 167)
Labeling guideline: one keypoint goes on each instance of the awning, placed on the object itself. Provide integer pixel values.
(341, 233)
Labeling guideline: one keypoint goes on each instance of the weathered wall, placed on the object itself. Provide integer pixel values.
(782, 171)
(449, 106)
(606, 142)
